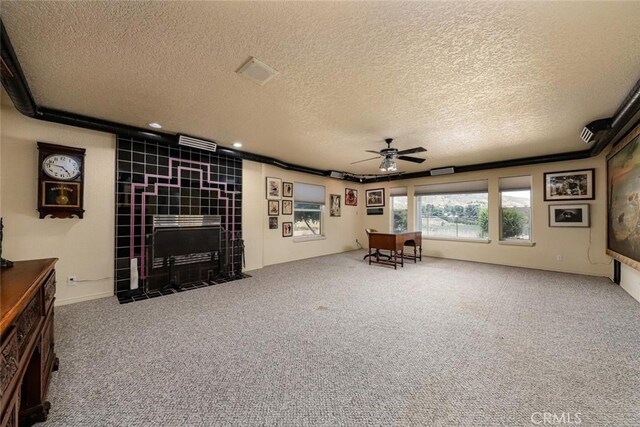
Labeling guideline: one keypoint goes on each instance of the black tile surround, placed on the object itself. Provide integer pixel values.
(175, 180)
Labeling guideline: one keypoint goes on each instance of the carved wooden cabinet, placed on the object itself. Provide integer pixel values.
(27, 355)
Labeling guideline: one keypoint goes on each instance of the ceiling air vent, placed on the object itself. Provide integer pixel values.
(257, 71)
(442, 171)
(201, 144)
(593, 130)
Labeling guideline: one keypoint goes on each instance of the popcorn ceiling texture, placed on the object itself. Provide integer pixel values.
(472, 82)
(332, 341)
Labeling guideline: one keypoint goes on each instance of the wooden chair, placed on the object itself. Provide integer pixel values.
(377, 253)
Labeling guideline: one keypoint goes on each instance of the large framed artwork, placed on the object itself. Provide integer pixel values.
(623, 202)
(569, 185)
(334, 205)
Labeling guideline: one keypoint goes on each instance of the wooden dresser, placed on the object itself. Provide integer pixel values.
(27, 355)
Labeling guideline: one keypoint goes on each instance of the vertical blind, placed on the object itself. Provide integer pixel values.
(308, 193)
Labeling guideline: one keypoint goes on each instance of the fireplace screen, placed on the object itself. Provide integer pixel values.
(185, 249)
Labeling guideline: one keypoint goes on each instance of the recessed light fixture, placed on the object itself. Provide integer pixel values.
(237, 144)
(155, 125)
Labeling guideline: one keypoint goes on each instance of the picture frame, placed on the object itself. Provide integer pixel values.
(569, 185)
(273, 207)
(569, 215)
(273, 188)
(273, 223)
(350, 197)
(623, 200)
(287, 229)
(375, 197)
(287, 207)
(335, 207)
(287, 189)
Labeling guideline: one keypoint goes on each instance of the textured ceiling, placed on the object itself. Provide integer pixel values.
(471, 82)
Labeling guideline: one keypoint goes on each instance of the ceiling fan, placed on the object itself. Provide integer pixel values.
(390, 154)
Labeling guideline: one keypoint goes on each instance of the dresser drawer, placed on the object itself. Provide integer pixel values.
(49, 291)
(28, 321)
(9, 361)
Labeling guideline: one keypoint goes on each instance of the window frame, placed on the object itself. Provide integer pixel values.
(320, 210)
(391, 217)
(514, 240)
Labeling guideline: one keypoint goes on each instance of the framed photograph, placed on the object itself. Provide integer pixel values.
(273, 188)
(273, 207)
(375, 197)
(569, 185)
(287, 189)
(623, 202)
(334, 204)
(569, 215)
(287, 229)
(287, 207)
(273, 223)
(350, 197)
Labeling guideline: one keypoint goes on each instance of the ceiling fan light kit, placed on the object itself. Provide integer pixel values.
(390, 155)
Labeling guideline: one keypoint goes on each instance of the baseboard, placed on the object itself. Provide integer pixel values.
(74, 300)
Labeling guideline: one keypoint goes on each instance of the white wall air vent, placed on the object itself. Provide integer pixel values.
(442, 171)
(201, 144)
(257, 71)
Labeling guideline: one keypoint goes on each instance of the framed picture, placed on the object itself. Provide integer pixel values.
(273, 223)
(569, 215)
(334, 204)
(273, 207)
(569, 185)
(375, 197)
(273, 188)
(287, 207)
(623, 202)
(287, 229)
(287, 189)
(350, 197)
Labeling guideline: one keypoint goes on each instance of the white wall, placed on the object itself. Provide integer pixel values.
(265, 247)
(630, 281)
(571, 243)
(85, 247)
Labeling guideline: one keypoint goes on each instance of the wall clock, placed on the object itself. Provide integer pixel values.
(60, 181)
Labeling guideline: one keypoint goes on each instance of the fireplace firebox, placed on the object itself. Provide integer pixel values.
(185, 249)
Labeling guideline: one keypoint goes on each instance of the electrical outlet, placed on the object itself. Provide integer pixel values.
(71, 280)
(559, 258)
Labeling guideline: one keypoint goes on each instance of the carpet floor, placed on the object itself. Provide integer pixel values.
(332, 341)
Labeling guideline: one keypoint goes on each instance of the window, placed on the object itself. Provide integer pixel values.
(515, 208)
(399, 209)
(308, 210)
(455, 210)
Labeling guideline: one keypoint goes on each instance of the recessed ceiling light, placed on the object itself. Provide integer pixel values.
(237, 144)
(155, 125)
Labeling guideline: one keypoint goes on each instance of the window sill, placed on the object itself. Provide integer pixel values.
(517, 243)
(308, 238)
(451, 239)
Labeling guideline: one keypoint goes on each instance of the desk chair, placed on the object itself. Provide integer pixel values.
(377, 252)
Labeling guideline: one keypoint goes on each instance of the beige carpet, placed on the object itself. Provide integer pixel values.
(333, 341)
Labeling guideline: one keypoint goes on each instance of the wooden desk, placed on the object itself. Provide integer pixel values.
(27, 356)
(395, 242)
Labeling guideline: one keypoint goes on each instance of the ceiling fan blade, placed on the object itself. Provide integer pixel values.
(374, 152)
(412, 150)
(411, 159)
(365, 160)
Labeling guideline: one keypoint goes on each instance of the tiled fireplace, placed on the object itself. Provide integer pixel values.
(158, 181)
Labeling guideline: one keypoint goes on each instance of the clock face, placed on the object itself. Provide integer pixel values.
(61, 166)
